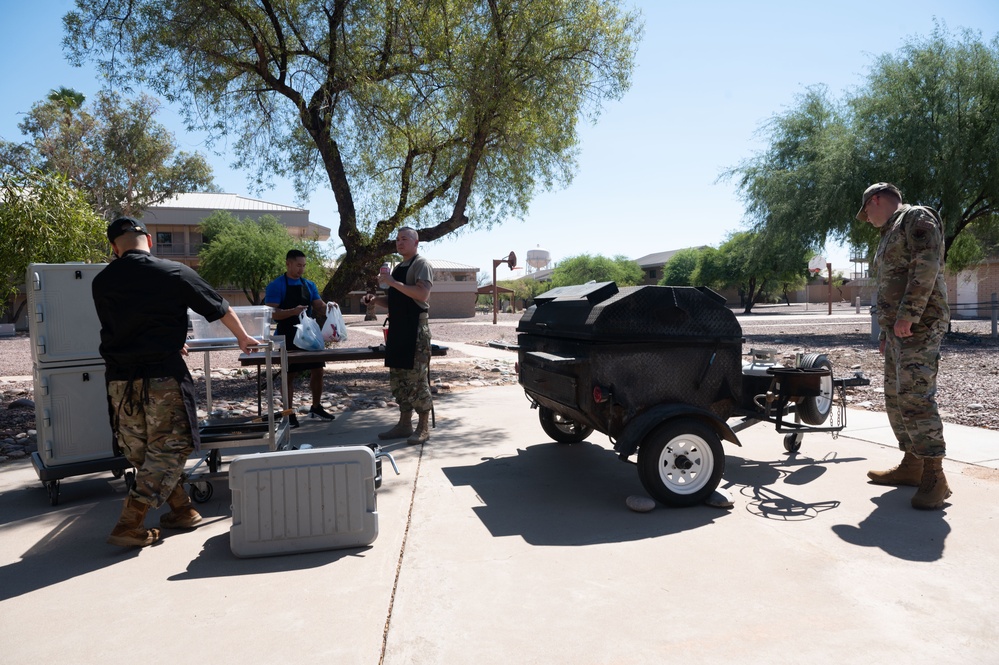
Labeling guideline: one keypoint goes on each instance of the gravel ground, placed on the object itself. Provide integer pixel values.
(968, 395)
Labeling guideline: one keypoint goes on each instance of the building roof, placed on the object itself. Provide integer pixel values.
(189, 208)
(450, 266)
(543, 275)
(220, 201)
(487, 290)
(660, 258)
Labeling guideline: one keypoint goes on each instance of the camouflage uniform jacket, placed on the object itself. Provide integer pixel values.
(908, 268)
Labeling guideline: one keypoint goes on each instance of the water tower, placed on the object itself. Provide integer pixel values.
(537, 259)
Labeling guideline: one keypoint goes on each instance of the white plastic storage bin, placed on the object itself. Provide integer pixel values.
(71, 414)
(302, 501)
(62, 319)
(256, 320)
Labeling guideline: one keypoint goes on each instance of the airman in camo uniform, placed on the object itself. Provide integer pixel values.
(913, 315)
(142, 302)
(407, 346)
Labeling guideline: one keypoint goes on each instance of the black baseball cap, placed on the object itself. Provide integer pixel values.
(123, 225)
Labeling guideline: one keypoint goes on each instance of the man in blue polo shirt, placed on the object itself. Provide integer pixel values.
(290, 295)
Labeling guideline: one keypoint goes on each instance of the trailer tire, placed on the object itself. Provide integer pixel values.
(681, 462)
(560, 428)
(815, 410)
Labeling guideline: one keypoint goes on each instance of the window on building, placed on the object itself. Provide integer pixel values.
(651, 273)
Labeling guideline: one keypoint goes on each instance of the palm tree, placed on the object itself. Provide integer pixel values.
(67, 98)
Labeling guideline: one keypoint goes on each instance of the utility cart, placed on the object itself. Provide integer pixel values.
(269, 430)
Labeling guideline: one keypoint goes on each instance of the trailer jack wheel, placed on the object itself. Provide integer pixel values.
(792, 442)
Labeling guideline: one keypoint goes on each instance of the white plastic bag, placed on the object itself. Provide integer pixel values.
(334, 329)
(308, 336)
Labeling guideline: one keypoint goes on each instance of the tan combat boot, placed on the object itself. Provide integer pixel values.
(182, 514)
(130, 531)
(908, 472)
(402, 429)
(933, 489)
(422, 433)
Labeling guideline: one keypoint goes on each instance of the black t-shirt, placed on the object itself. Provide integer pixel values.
(142, 303)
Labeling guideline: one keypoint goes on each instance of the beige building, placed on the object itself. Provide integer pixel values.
(453, 295)
(175, 223)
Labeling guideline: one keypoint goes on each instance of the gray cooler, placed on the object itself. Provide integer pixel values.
(302, 501)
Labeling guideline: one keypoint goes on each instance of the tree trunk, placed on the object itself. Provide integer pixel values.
(751, 295)
(357, 269)
(13, 314)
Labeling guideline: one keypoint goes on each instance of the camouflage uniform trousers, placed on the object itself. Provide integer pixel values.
(155, 435)
(910, 392)
(411, 387)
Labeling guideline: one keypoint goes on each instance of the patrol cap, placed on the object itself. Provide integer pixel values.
(123, 225)
(876, 188)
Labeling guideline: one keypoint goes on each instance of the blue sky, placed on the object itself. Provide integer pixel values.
(708, 75)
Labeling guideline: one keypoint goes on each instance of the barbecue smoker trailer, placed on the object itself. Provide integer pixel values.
(659, 370)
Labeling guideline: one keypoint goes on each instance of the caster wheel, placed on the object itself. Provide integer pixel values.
(52, 487)
(214, 461)
(792, 442)
(202, 492)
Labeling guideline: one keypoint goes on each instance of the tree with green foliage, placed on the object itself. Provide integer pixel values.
(114, 151)
(926, 119)
(433, 113)
(66, 98)
(752, 262)
(679, 268)
(586, 268)
(524, 289)
(248, 253)
(43, 219)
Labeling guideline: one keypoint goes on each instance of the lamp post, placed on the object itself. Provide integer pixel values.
(510, 259)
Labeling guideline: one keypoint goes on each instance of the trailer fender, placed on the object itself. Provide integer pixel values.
(640, 427)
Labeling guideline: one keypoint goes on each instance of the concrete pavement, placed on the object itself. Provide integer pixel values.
(498, 546)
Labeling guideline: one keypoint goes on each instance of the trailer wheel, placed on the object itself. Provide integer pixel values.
(680, 463)
(815, 410)
(560, 428)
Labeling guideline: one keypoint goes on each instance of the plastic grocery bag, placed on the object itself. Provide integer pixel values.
(308, 336)
(334, 329)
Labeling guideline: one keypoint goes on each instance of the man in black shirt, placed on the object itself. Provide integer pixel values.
(142, 304)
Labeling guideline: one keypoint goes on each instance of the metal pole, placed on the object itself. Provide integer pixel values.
(856, 305)
(829, 268)
(995, 314)
(495, 291)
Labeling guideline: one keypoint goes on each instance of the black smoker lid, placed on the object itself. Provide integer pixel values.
(602, 312)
